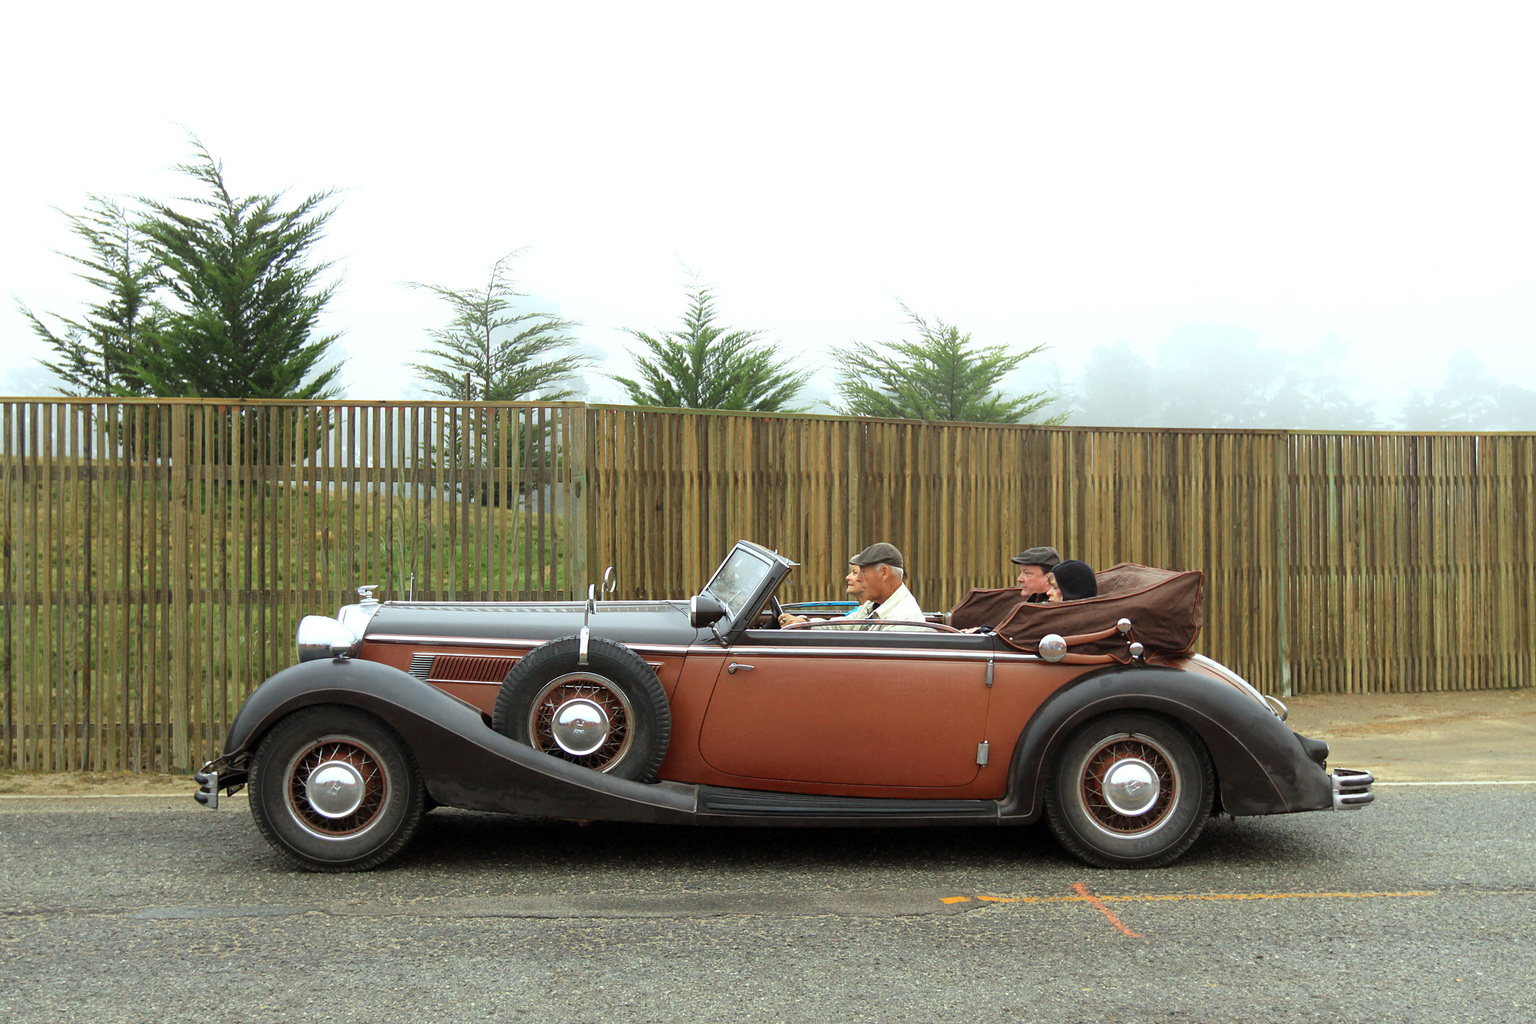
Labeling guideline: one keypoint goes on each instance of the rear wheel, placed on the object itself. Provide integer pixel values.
(1130, 790)
(335, 789)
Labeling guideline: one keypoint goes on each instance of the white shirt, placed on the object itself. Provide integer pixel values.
(900, 606)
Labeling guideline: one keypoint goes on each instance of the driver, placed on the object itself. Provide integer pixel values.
(875, 579)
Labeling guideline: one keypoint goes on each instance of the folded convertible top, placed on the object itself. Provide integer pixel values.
(1163, 606)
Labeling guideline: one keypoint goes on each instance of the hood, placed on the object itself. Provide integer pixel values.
(628, 622)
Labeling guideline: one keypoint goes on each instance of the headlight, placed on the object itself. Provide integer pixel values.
(321, 636)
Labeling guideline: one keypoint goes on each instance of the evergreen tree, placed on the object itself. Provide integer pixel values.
(705, 366)
(490, 353)
(242, 300)
(98, 354)
(938, 377)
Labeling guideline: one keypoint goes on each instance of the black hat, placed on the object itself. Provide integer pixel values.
(1038, 556)
(880, 553)
(1075, 580)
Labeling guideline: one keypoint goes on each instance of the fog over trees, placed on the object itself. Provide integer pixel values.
(1214, 377)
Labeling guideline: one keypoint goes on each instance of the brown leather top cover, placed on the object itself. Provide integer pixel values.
(1163, 606)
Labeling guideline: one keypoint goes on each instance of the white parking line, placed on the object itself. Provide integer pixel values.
(1477, 782)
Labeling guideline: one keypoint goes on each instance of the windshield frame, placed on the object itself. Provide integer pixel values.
(743, 598)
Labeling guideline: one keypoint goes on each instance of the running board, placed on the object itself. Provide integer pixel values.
(784, 808)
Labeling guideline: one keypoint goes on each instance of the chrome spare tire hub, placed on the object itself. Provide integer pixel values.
(580, 726)
(335, 789)
(1131, 787)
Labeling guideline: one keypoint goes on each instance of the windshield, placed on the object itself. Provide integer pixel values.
(739, 578)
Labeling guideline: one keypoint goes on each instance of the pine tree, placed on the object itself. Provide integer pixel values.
(242, 301)
(708, 367)
(98, 354)
(490, 353)
(938, 377)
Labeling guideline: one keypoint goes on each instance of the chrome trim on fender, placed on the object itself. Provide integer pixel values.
(1281, 712)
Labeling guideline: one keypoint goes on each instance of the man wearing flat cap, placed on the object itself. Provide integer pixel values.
(875, 580)
(1034, 566)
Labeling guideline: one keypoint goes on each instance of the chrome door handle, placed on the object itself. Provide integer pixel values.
(733, 666)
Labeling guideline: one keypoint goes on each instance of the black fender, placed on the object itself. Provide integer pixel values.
(1262, 766)
(463, 761)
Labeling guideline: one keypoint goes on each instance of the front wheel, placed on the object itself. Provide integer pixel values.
(335, 789)
(1129, 790)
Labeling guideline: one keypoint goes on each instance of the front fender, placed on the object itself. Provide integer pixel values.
(1261, 766)
(463, 761)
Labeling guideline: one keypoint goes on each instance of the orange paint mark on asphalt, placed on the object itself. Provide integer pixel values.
(1173, 897)
(1180, 896)
(1082, 891)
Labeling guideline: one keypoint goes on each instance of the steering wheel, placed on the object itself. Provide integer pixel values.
(776, 609)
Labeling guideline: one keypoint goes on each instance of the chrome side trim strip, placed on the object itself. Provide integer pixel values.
(904, 653)
(465, 641)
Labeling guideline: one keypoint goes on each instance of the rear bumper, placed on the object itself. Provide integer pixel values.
(1351, 788)
(217, 775)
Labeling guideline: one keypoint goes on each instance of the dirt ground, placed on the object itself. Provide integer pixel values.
(1486, 735)
(1482, 735)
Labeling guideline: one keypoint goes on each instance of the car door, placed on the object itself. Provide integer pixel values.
(864, 709)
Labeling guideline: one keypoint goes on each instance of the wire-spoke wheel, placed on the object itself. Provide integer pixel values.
(1129, 790)
(335, 789)
(584, 718)
(610, 714)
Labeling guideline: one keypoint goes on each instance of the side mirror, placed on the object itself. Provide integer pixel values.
(704, 610)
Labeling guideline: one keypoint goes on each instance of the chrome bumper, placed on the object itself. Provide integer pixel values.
(220, 773)
(208, 781)
(1351, 788)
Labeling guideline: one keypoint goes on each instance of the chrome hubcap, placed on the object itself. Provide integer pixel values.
(579, 726)
(335, 789)
(1128, 785)
(1131, 787)
(583, 717)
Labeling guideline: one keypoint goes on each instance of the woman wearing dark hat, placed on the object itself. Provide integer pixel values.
(1072, 581)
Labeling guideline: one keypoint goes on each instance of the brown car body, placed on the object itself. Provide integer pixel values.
(696, 712)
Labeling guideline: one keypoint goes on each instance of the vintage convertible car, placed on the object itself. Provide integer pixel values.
(704, 712)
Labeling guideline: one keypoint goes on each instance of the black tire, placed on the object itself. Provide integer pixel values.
(622, 722)
(373, 798)
(1136, 824)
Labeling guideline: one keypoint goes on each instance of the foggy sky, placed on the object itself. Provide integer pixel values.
(1339, 184)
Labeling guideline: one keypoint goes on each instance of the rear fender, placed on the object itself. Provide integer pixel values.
(1261, 765)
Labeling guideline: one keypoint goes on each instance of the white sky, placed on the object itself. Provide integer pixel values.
(1334, 178)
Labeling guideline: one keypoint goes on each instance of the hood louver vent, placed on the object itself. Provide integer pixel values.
(461, 668)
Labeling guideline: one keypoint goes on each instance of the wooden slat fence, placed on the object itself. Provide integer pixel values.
(157, 555)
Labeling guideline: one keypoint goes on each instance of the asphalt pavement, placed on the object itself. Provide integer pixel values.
(123, 901)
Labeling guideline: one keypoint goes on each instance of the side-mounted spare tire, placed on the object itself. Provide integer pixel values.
(610, 715)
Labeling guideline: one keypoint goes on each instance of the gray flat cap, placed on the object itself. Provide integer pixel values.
(1047, 557)
(878, 554)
